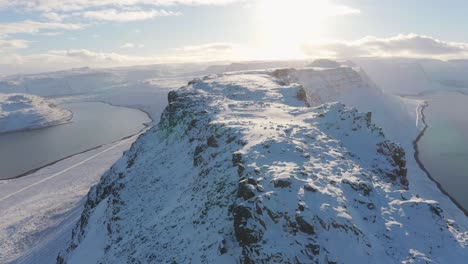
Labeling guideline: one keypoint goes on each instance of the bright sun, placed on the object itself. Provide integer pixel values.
(285, 25)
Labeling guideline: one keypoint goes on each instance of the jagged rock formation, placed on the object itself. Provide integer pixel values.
(238, 170)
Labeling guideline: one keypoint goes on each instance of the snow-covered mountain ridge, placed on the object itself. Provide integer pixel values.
(23, 111)
(239, 170)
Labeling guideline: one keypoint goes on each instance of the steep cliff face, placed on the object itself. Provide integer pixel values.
(238, 170)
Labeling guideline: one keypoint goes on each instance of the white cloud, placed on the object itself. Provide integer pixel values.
(52, 16)
(209, 47)
(83, 55)
(63, 59)
(11, 44)
(130, 45)
(409, 45)
(77, 5)
(218, 51)
(125, 16)
(29, 26)
(403, 45)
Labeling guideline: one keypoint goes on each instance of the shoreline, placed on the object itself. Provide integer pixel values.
(115, 105)
(64, 158)
(421, 165)
(146, 127)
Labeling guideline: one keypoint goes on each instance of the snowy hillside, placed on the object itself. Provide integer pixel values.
(22, 111)
(353, 87)
(398, 76)
(413, 76)
(239, 170)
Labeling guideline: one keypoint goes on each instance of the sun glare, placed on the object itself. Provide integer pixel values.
(285, 25)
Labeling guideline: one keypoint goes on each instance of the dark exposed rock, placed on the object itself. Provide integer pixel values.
(236, 159)
(60, 260)
(361, 187)
(193, 123)
(252, 181)
(396, 155)
(172, 97)
(197, 159)
(240, 169)
(212, 142)
(315, 249)
(246, 190)
(130, 162)
(304, 226)
(284, 76)
(281, 182)
(222, 247)
(310, 188)
(436, 210)
(368, 119)
(301, 94)
(194, 81)
(244, 235)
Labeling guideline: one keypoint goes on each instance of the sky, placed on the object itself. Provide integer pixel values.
(41, 35)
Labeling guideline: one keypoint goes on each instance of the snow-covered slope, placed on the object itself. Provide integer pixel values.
(398, 76)
(450, 74)
(354, 88)
(22, 111)
(239, 170)
(413, 76)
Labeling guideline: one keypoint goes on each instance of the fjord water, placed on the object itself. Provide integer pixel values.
(93, 124)
(444, 146)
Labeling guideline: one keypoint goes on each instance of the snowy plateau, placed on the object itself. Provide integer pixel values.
(273, 166)
(23, 111)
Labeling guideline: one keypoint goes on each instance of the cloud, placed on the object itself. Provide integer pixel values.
(60, 15)
(63, 59)
(52, 16)
(84, 55)
(126, 16)
(403, 45)
(29, 26)
(130, 45)
(218, 51)
(12, 44)
(79, 5)
(217, 47)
